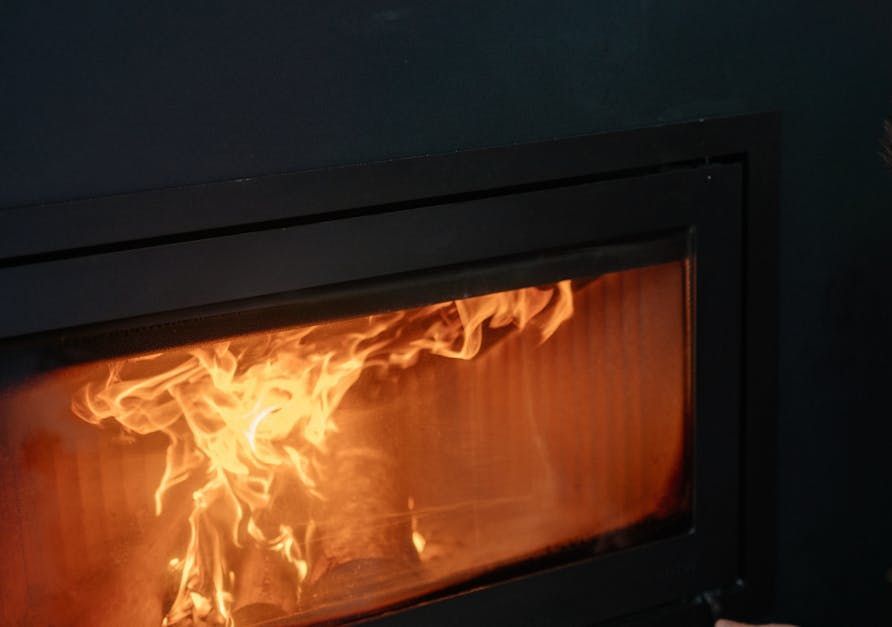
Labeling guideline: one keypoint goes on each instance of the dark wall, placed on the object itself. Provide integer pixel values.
(127, 97)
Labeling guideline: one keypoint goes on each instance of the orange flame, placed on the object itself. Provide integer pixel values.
(241, 414)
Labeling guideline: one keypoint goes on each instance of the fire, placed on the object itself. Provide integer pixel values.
(248, 420)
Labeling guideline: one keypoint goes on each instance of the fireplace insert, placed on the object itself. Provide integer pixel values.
(522, 385)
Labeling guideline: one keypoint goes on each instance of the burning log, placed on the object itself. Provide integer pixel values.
(363, 541)
(266, 587)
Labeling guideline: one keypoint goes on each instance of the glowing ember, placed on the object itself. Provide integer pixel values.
(249, 419)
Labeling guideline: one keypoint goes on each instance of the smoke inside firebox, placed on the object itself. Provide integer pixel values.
(336, 469)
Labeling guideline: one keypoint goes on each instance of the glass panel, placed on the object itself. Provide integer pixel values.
(332, 469)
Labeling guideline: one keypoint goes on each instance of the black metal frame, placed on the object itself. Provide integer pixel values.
(135, 271)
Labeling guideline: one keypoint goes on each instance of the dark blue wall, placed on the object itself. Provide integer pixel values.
(127, 97)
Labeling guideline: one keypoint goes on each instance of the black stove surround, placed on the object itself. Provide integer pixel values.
(110, 276)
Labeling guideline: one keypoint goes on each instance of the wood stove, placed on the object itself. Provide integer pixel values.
(531, 384)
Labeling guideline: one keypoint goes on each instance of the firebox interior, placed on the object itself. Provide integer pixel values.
(335, 469)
